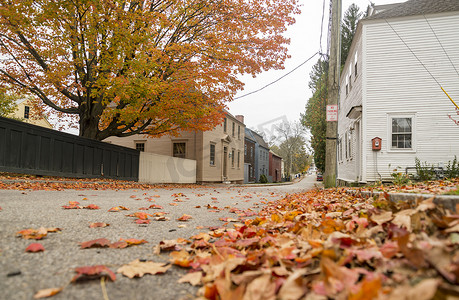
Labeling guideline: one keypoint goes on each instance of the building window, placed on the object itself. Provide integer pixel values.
(245, 149)
(349, 144)
(345, 146)
(179, 150)
(234, 126)
(140, 146)
(224, 125)
(340, 149)
(238, 159)
(355, 66)
(347, 86)
(212, 154)
(238, 132)
(402, 133)
(232, 158)
(26, 112)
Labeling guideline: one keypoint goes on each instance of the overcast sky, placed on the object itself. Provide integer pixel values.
(286, 99)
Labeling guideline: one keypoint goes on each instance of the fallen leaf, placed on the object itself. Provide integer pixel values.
(47, 293)
(35, 247)
(35, 234)
(155, 206)
(93, 272)
(98, 243)
(132, 242)
(193, 278)
(137, 268)
(98, 224)
(118, 208)
(91, 206)
(184, 217)
(140, 221)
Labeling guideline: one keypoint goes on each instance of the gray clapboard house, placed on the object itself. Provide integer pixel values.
(261, 154)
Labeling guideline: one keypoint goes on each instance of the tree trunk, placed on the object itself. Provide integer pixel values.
(89, 127)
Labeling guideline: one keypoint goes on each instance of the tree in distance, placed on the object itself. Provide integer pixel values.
(139, 67)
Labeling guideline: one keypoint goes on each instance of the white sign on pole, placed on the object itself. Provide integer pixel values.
(332, 113)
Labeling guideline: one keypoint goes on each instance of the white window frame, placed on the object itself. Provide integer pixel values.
(355, 66)
(349, 144)
(391, 116)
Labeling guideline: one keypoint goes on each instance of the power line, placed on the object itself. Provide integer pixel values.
(322, 27)
(412, 52)
(283, 76)
(438, 40)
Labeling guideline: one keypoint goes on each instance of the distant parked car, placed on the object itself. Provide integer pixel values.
(320, 177)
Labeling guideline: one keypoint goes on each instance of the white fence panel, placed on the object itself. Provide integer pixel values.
(155, 168)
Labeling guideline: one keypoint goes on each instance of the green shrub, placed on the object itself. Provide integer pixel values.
(424, 171)
(452, 169)
(263, 178)
(400, 178)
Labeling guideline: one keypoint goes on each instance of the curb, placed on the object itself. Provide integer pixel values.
(447, 201)
(263, 184)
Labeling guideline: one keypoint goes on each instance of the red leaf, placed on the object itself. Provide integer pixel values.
(140, 221)
(119, 245)
(93, 272)
(98, 243)
(91, 206)
(156, 206)
(184, 217)
(35, 247)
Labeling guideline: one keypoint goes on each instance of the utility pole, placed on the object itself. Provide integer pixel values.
(333, 95)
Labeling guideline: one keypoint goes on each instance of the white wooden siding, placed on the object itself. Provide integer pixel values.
(347, 167)
(397, 83)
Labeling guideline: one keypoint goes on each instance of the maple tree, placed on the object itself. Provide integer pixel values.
(144, 66)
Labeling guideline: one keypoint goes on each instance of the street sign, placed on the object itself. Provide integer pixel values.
(332, 113)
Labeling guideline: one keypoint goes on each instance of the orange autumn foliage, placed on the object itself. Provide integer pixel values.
(147, 66)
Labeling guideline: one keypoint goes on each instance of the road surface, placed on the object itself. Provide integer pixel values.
(22, 274)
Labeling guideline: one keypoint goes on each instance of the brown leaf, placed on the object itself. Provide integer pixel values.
(98, 224)
(98, 243)
(382, 218)
(264, 288)
(93, 272)
(425, 290)
(47, 293)
(193, 278)
(293, 287)
(137, 268)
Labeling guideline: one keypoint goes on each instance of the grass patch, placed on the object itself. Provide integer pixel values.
(453, 192)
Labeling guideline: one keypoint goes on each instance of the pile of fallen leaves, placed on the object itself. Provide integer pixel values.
(327, 245)
(10, 181)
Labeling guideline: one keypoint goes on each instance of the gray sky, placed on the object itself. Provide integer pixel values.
(286, 99)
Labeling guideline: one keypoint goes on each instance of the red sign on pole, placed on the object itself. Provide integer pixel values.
(332, 113)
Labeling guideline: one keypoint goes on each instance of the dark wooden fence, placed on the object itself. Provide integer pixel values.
(30, 149)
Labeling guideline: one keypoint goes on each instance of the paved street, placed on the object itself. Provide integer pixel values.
(23, 274)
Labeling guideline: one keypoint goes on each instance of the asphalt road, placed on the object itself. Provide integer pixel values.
(22, 274)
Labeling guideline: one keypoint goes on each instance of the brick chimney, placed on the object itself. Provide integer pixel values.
(240, 118)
